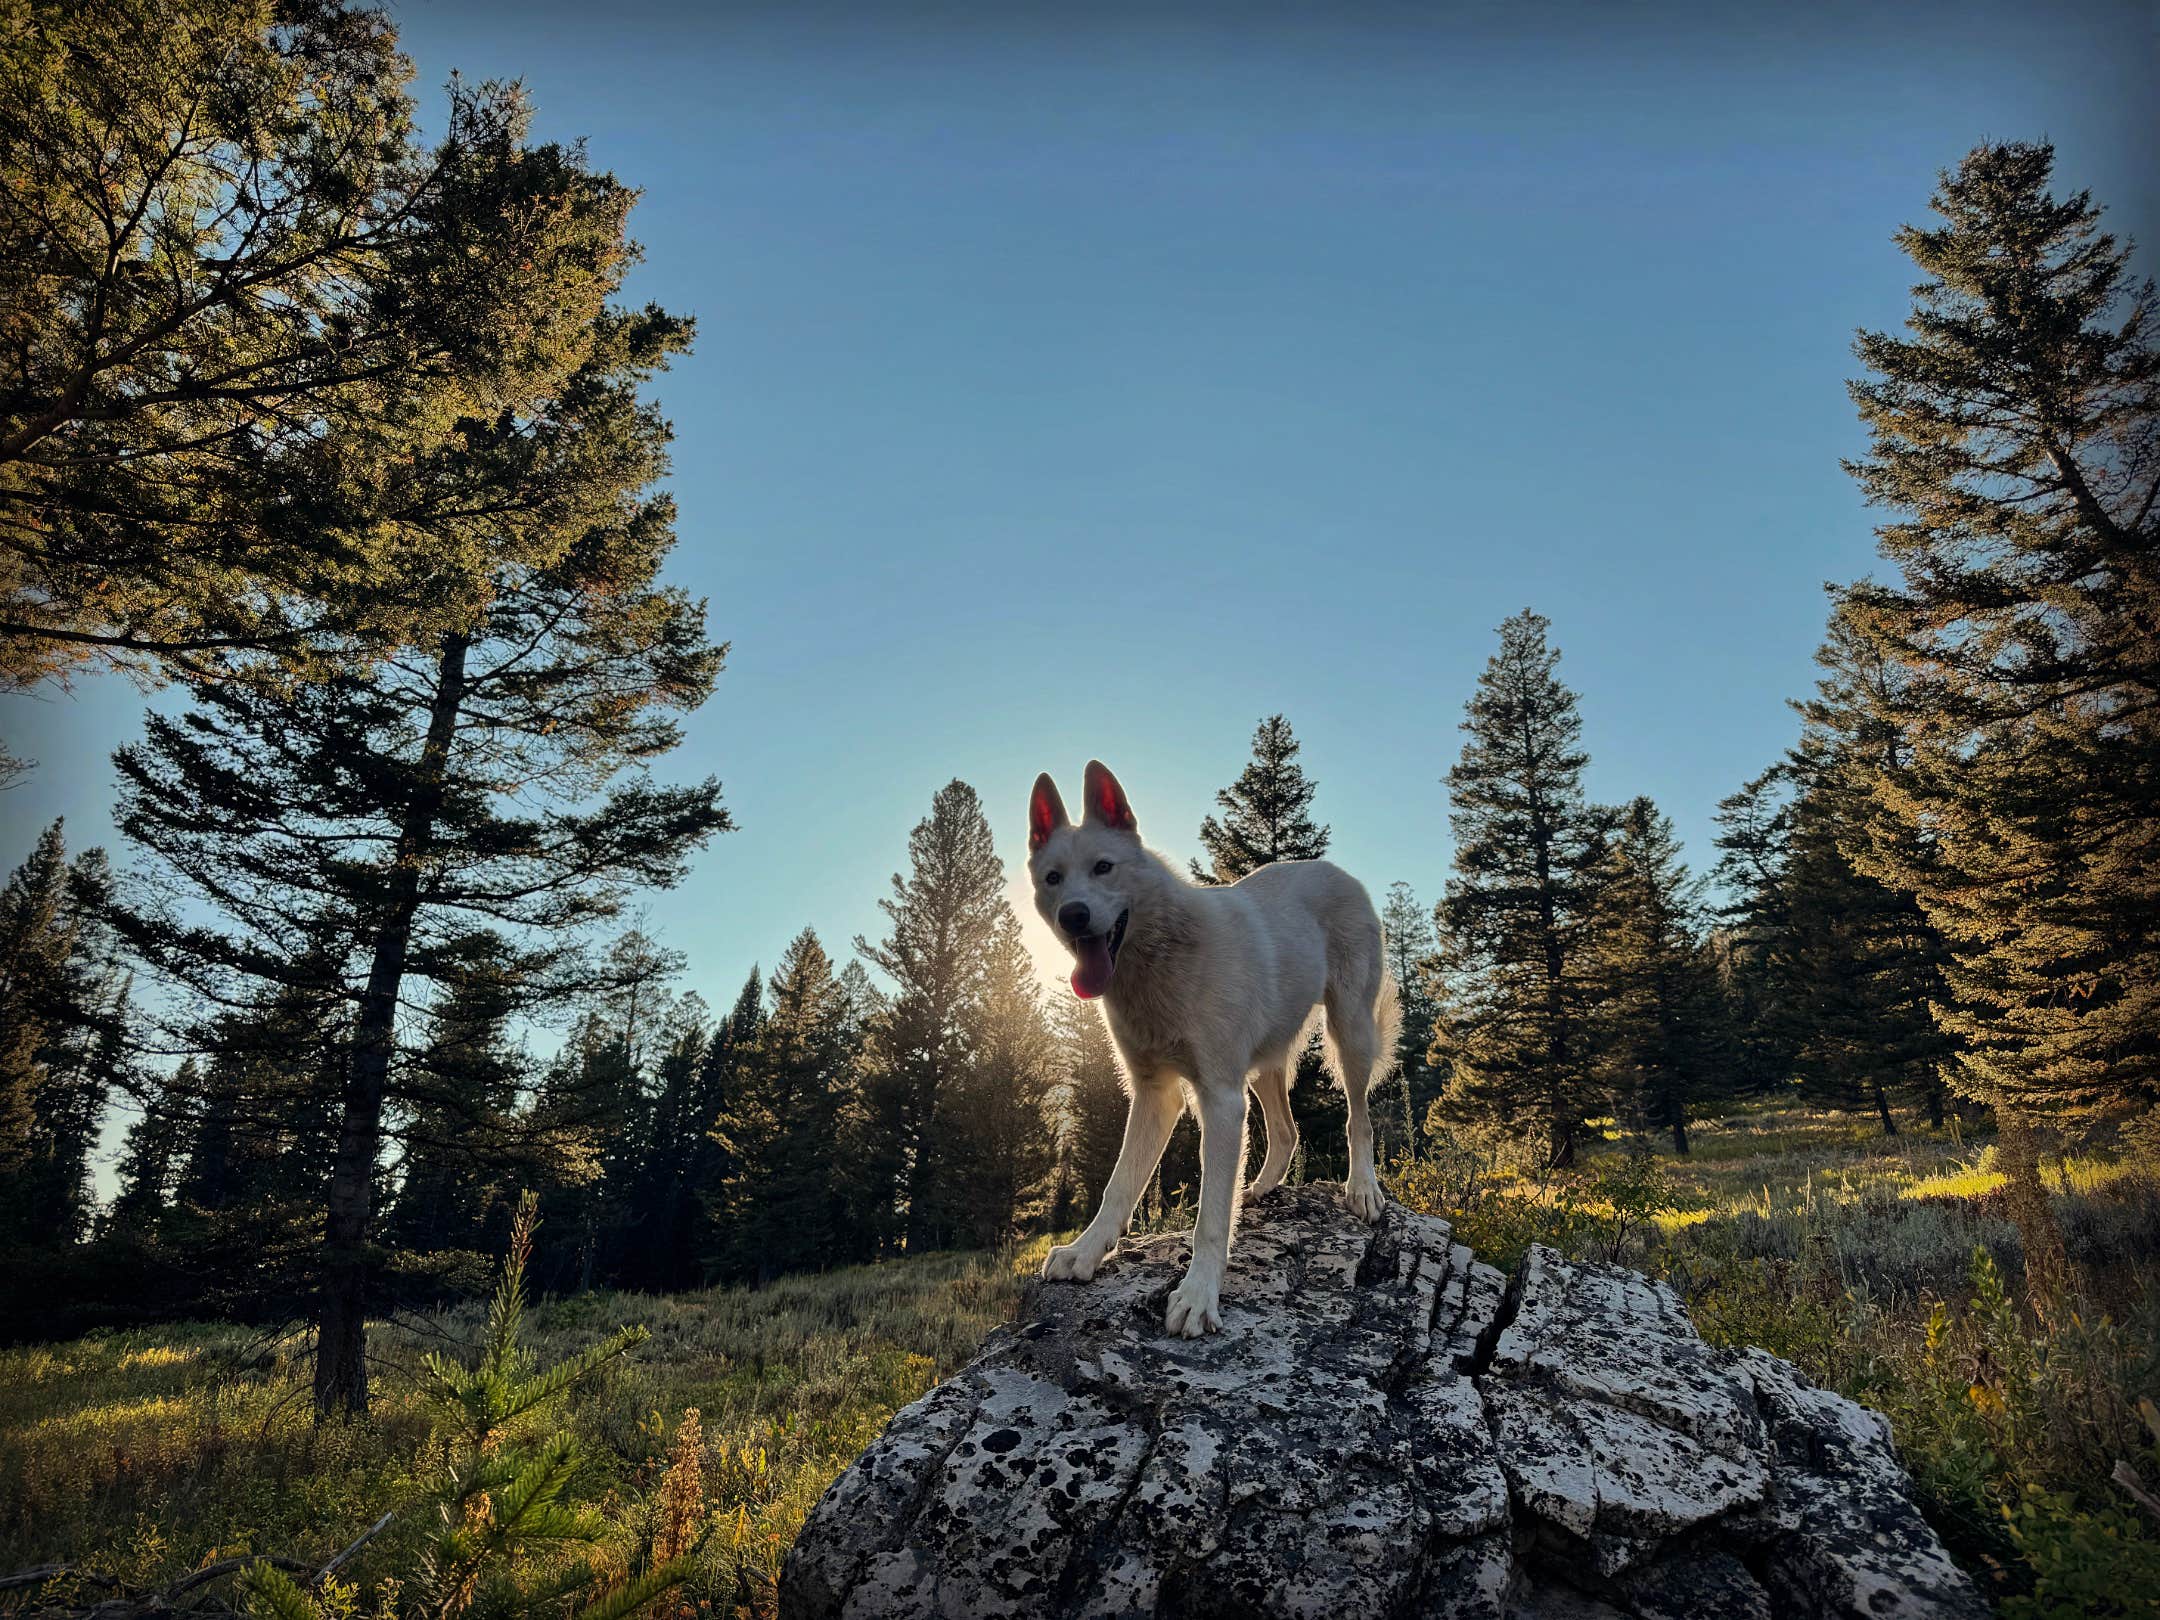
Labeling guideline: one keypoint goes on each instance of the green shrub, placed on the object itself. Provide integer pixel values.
(2087, 1563)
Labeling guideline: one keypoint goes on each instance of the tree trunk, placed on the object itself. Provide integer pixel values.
(1561, 1154)
(920, 1171)
(1679, 1135)
(341, 1325)
(1935, 1106)
(1882, 1110)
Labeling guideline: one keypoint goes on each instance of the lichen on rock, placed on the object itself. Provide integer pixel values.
(1385, 1426)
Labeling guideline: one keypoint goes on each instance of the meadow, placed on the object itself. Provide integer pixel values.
(1885, 1267)
(139, 1456)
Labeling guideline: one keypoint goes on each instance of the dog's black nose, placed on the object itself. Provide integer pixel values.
(1073, 918)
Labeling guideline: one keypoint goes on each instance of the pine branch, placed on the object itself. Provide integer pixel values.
(633, 1596)
(271, 1593)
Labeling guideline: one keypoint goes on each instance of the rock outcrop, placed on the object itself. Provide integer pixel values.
(1384, 1427)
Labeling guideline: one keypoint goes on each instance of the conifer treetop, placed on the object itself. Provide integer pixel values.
(1267, 811)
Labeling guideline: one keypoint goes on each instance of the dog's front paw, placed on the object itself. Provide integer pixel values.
(1195, 1308)
(1363, 1198)
(1071, 1262)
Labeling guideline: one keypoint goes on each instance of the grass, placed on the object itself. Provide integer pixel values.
(144, 1455)
(1886, 1268)
(1889, 1269)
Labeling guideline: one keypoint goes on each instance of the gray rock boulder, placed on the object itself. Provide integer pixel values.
(1384, 1427)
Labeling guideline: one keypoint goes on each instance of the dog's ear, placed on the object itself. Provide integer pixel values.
(1046, 812)
(1106, 805)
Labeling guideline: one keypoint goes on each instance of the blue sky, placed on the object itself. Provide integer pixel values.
(1095, 380)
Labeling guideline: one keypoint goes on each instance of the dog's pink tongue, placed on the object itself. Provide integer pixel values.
(1091, 973)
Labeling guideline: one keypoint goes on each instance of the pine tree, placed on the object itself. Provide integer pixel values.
(1413, 960)
(1528, 856)
(1831, 973)
(508, 1534)
(712, 1161)
(1267, 816)
(1655, 1019)
(945, 914)
(72, 1113)
(1863, 966)
(780, 1207)
(663, 1199)
(464, 1143)
(1754, 843)
(607, 1095)
(1267, 812)
(461, 783)
(2015, 436)
(257, 1116)
(238, 291)
(1094, 1104)
(592, 1104)
(63, 1007)
(150, 1157)
(997, 1148)
(35, 942)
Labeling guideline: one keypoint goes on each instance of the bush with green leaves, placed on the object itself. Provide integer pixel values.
(2087, 1562)
(2025, 1441)
(509, 1537)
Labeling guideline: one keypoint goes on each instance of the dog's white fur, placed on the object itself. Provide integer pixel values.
(1212, 992)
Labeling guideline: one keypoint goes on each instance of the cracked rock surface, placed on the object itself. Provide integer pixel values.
(1384, 1427)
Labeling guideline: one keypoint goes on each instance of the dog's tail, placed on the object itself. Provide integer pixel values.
(1387, 1014)
(1362, 1038)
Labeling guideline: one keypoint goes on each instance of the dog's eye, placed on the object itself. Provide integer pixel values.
(1101, 867)
(1053, 878)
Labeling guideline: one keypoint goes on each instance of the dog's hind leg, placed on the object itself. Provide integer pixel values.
(1154, 1109)
(1272, 1086)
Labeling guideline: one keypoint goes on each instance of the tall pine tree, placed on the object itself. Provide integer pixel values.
(997, 1144)
(1529, 852)
(2015, 436)
(63, 1005)
(1413, 959)
(712, 1162)
(945, 915)
(1267, 816)
(469, 781)
(1754, 840)
(244, 1230)
(237, 292)
(466, 1148)
(1655, 1021)
(1861, 965)
(150, 1158)
(781, 1207)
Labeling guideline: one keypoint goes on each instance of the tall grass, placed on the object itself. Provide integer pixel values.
(140, 1456)
(1889, 1269)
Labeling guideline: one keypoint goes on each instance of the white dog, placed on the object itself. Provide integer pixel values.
(1215, 988)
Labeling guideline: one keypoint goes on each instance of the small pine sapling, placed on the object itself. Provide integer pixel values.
(509, 1531)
